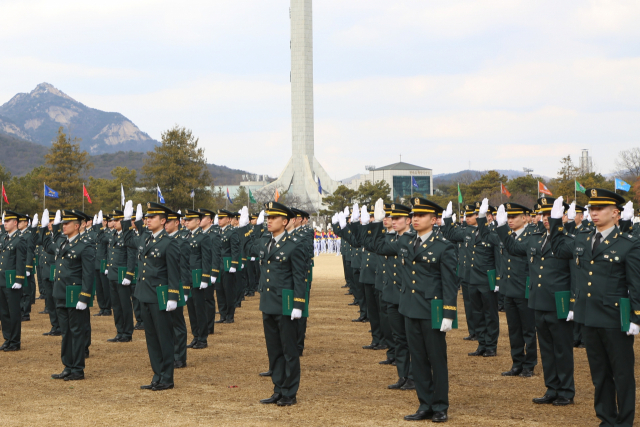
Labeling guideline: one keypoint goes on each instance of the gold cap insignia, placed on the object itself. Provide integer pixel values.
(148, 205)
(544, 201)
(508, 205)
(199, 210)
(393, 207)
(417, 201)
(594, 193)
(477, 204)
(270, 205)
(114, 212)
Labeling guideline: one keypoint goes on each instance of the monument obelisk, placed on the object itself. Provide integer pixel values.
(300, 176)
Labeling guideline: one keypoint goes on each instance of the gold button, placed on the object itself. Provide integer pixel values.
(396, 257)
(589, 284)
(539, 276)
(413, 291)
(591, 262)
(414, 262)
(145, 263)
(508, 260)
(541, 267)
(591, 273)
(616, 304)
(268, 262)
(267, 289)
(471, 265)
(267, 280)
(367, 265)
(414, 281)
(413, 272)
(435, 297)
(508, 268)
(267, 271)
(508, 277)
(588, 295)
(542, 258)
(383, 272)
(144, 271)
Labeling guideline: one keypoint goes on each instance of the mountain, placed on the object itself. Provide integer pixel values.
(36, 117)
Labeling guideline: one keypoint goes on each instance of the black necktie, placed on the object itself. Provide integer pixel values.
(546, 237)
(596, 241)
(416, 245)
(272, 244)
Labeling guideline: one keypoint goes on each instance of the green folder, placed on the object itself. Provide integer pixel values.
(73, 294)
(10, 278)
(103, 266)
(437, 312)
(287, 302)
(196, 277)
(163, 297)
(526, 288)
(562, 303)
(52, 273)
(491, 275)
(625, 314)
(227, 263)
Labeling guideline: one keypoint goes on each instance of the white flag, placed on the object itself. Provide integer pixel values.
(121, 195)
(193, 193)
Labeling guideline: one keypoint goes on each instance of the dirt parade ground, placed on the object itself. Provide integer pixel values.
(341, 385)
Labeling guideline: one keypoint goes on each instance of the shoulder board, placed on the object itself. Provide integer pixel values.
(629, 236)
(586, 230)
(539, 232)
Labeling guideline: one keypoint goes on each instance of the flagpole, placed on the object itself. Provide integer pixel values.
(157, 196)
(538, 189)
(2, 201)
(500, 192)
(83, 197)
(575, 190)
(459, 199)
(44, 194)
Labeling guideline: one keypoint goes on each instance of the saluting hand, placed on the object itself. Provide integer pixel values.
(501, 216)
(557, 211)
(378, 211)
(364, 215)
(627, 212)
(484, 207)
(449, 211)
(58, 219)
(34, 223)
(100, 218)
(139, 212)
(571, 213)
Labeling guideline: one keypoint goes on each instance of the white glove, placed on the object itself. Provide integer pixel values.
(139, 212)
(58, 219)
(2, 218)
(378, 211)
(570, 316)
(213, 280)
(16, 286)
(106, 272)
(260, 218)
(346, 211)
(448, 212)
(364, 215)
(34, 223)
(627, 212)
(587, 216)
(343, 220)
(242, 267)
(496, 289)
(29, 223)
(45, 219)
(244, 216)
(253, 258)
(502, 216)
(100, 218)
(95, 219)
(446, 325)
(355, 213)
(334, 220)
(128, 210)
(464, 217)
(186, 298)
(453, 218)
(232, 269)
(179, 212)
(557, 211)
(172, 305)
(126, 282)
(204, 285)
(484, 207)
(633, 329)
(296, 313)
(571, 213)
(81, 305)
(215, 220)
(28, 273)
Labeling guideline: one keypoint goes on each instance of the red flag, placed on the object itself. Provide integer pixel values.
(4, 195)
(277, 196)
(505, 191)
(542, 189)
(86, 193)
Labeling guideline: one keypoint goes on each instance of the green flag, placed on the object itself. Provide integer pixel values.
(459, 195)
(580, 188)
(251, 199)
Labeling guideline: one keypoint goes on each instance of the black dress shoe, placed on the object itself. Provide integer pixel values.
(47, 333)
(369, 347)
(394, 363)
(477, 353)
(387, 362)
(219, 321)
(62, 375)
(344, 286)
(200, 345)
(41, 296)
(419, 415)
(12, 348)
(192, 343)
(114, 339)
(161, 387)
(409, 385)
(123, 339)
(489, 353)
(381, 347)
(562, 401)
(287, 401)
(266, 374)
(98, 314)
(148, 386)
(229, 321)
(178, 364)
(576, 344)
(397, 385)
(106, 312)
(139, 326)
(273, 399)
(512, 373)
(26, 318)
(470, 338)
(526, 373)
(45, 311)
(546, 399)
(4, 345)
(55, 333)
(440, 417)
(581, 345)
(74, 377)
(353, 303)
(359, 319)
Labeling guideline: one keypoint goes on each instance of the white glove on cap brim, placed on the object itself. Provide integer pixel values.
(502, 216)
(557, 211)
(448, 211)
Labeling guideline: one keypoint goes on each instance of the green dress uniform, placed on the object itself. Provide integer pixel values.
(209, 293)
(226, 246)
(103, 291)
(177, 315)
(121, 256)
(13, 257)
(548, 274)
(351, 234)
(428, 268)
(28, 291)
(608, 269)
(305, 235)
(160, 267)
(47, 262)
(572, 228)
(74, 266)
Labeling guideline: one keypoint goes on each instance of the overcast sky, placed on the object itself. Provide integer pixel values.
(502, 84)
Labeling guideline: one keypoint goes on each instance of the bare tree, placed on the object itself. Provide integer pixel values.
(628, 162)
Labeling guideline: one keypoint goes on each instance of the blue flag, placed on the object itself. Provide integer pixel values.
(621, 185)
(160, 194)
(319, 186)
(229, 196)
(50, 193)
(413, 182)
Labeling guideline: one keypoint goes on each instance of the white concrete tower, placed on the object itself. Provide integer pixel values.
(302, 172)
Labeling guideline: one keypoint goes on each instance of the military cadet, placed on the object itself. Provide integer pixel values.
(74, 266)
(428, 266)
(197, 256)
(463, 268)
(226, 247)
(160, 267)
(480, 261)
(28, 291)
(48, 263)
(252, 265)
(13, 262)
(608, 273)
(284, 267)
(121, 269)
(521, 319)
(207, 220)
(356, 264)
(103, 292)
(305, 238)
(575, 223)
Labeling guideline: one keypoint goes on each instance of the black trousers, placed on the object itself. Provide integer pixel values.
(179, 335)
(385, 325)
(241, 284)
(74, 337)
(358, 292)
(103, 293)
(158, 330)
(28, 294)
(197, 308)
(577, 332)
(468, 308)
(556, 353)
(348, 274)
(137, 311)
(10, 315)
(521, 322)
(50, 303)
(251, 275)
(428, 349)
(280, 333)
(484, 303)
(611, 361)
(372, 313)
(122, 310)
(226, 291)
(403, 357)
(210, 303)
